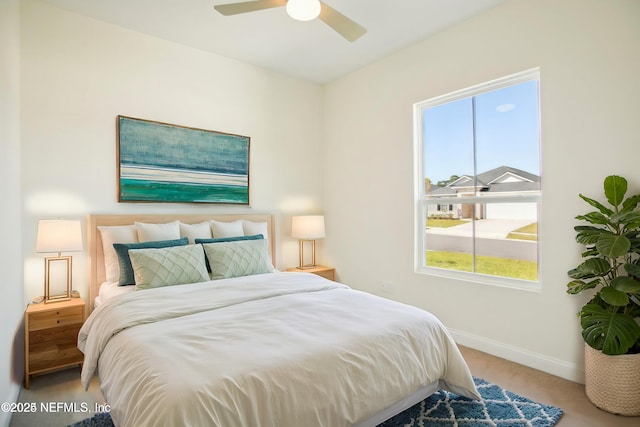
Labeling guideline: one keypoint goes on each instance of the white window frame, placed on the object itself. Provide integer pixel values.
(420, 199)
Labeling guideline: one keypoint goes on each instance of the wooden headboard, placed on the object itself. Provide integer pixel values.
(97, 273)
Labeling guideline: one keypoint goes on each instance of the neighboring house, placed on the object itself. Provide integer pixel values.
(501, 181)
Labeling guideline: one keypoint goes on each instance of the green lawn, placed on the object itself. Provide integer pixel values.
(505, 267)
(444, 223)
(528, 232)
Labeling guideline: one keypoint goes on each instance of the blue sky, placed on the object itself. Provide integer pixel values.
(507, 133)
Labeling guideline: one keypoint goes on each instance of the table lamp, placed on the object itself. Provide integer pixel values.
(307, 228)
(58, 235)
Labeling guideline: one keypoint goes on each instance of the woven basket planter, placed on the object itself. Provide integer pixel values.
(612, 383)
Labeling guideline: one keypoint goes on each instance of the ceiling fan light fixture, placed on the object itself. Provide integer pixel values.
(303, 10)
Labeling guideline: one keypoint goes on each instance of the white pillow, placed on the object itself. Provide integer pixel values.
(115, 234)
(252, 228)
(226, 229)
(195, 231)
(151, 232)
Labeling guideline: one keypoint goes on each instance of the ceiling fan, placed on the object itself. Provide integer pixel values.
(302, 10)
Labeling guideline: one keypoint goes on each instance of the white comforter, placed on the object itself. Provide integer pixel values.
(281, 349)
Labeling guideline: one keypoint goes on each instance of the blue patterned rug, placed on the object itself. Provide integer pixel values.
(498, 408)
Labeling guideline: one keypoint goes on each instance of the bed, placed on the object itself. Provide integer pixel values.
(268, 348)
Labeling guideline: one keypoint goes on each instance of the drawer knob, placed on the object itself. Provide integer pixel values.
(58, 321)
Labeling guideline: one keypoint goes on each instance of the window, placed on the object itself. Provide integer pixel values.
(478, 182)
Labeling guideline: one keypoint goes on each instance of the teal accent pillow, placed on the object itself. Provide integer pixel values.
(227, 239)
(122, 250)
(239, 258)
(177, 265)
(230, 239)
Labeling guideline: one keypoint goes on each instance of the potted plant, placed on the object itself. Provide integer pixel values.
(610, 319)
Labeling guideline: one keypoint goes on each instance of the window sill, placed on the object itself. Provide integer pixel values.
(483, 279)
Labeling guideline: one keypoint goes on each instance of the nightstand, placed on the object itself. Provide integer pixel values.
(51, 336)
(320, 270)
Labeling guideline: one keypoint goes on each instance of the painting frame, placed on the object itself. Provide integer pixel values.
(161, 162)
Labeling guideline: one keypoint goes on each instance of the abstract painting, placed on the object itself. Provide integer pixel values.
(161, 162)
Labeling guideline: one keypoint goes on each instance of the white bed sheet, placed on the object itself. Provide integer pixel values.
(279, 349)
(111, 289)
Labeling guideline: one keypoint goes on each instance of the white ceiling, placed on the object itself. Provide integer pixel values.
(271, 39)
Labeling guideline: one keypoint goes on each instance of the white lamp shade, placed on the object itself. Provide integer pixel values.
(59, 235)
(308, 227)
(303, 10)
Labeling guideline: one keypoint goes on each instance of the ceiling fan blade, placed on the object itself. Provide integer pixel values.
(344, 26)
(248, 6)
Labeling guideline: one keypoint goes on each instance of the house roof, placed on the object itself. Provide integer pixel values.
(502, 179)
(498, 174)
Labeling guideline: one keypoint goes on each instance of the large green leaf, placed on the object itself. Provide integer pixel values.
(612, 246)
(634, 222)
(591, 228)
(576, 286)
(590, 251)
(594, 218)
(631, 203)
(626, 284)
(593, 267)
(615, 187)
(630, 220)
(632, 269)
(614, 297)
(602, 208)
(635, 246)
(609, 331)
(588, 234)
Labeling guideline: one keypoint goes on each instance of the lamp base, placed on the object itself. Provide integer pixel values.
(302, 265)
(58, 267)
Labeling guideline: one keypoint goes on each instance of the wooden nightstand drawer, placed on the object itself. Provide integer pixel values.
(53, 318)
(47, 338)
(57, 356)
(51, 336)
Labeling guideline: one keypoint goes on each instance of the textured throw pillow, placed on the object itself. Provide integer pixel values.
(195, 231)
(240, 258)
(176, 265)
(151, 232)
(111, 234)
(226, 239)
(226, 229)
(122, 250)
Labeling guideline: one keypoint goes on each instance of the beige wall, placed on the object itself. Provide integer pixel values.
(78, 74)
(589, 60)
(11, 307)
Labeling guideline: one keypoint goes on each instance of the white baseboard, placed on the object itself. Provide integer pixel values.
(557, 367)
(5, 417)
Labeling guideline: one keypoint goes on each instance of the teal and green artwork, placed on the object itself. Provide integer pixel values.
(161, 162)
